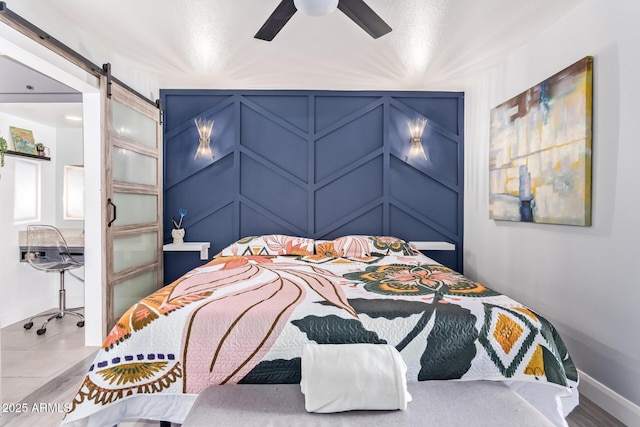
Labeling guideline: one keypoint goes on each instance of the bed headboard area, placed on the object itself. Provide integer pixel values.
(318, 164)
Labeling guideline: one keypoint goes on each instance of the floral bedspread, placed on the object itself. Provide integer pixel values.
(246, 319)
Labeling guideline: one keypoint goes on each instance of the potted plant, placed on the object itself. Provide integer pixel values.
(40, 148)
(3, 149)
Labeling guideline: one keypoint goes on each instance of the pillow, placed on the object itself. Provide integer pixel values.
(270, 244)
(325, 248)
(355, 246)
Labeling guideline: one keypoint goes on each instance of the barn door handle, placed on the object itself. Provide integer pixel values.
(115, 212)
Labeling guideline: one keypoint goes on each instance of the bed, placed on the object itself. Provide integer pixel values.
(245, 316)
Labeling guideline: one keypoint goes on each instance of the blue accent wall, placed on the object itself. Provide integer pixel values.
(319, 164)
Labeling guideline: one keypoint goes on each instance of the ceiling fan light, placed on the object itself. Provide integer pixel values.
(316, 7)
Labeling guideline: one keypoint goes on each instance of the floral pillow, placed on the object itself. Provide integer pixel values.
(270, 244)
(325, 248)
(363, 246)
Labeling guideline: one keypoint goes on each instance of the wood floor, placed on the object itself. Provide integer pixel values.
(44, 372)
(588, 414)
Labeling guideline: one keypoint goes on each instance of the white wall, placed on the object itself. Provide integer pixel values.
(69, 151)
(25, 291)
(583, 279)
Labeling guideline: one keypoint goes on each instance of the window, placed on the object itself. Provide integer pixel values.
(73, 192)
(26, 194)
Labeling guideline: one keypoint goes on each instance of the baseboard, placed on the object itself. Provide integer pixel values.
(615, 404)
(19, 313)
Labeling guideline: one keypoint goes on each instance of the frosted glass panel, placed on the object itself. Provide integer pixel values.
(127, 293)
(135, 208)
(134, 251)
(129, 166)
(128, 123)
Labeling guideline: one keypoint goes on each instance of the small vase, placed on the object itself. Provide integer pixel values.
(178, 236)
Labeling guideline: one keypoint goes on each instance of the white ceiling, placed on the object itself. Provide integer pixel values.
(51, 114)
(209, 44)
(434, 45)
(30, 95)
(22, 84)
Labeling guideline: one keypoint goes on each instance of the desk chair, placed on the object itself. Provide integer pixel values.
(48, 251)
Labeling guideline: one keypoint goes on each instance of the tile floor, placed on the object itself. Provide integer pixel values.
(45, 369)
(31, 361)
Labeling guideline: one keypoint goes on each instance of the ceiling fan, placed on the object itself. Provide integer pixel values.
(356, 10)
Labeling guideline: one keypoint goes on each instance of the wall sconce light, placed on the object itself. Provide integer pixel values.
(416, 128)
(205, 126)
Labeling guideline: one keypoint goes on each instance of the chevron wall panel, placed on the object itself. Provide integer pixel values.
(313, 163)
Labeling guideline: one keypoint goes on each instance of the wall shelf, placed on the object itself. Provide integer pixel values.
(30, 156)
(202, 247)
(433, 246)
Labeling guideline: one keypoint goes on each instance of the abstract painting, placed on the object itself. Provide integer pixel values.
(540, 151)
(23, 140)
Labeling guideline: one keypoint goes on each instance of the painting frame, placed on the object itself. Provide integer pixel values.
(23, 141)
(540, 151)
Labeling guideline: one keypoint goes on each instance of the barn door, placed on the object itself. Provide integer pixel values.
(132, 199)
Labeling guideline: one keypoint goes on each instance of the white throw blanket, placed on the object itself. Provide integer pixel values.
(344, 377)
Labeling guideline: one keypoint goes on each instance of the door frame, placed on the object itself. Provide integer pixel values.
(34, 55)
(30, 45)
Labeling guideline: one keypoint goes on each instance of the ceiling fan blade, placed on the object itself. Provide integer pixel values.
(365, 17)
(276, 21)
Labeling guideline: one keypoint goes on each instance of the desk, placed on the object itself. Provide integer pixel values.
(73, 236)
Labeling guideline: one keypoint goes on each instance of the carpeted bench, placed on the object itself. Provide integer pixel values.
(435, 403)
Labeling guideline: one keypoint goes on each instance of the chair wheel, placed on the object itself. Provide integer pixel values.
(80, 323)
(41, 331)
(28, 325)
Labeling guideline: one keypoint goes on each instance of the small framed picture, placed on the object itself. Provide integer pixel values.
(23, 141)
